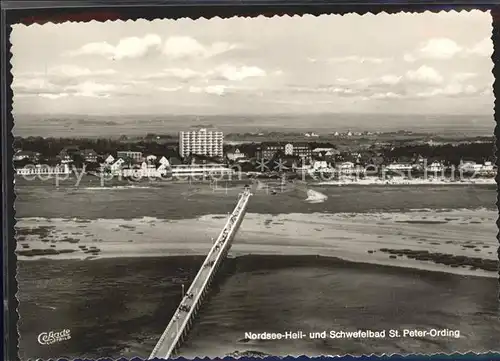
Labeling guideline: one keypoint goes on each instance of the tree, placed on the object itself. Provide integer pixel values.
(78, 160)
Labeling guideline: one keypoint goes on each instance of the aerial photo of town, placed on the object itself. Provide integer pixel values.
(368, 171)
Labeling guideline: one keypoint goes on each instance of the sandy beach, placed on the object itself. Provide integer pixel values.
(351, 236)
(399, 181)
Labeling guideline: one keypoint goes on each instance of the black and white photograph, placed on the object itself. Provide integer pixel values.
(295, 185)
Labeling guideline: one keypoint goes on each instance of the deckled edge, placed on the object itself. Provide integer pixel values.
(241, 9)
(10, 286)
(190, 12)
(495, 37)
(348, 357)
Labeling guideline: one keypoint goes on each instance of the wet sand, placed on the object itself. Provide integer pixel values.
(349, 236)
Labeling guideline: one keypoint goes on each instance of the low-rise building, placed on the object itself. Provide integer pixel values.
(109, 159)
(345, 168)
(205, 170)
(26, 155)
(325, 152)
(470, 167)
(144, 171)
(135, 156)
(43, 169)
(320, 164)
(151, 158)
(436, 167)
(67, 153)
(399, 167)
(89, 155)
(117, 165)
(270, 150)
(235, 155)
(164, 161)
(302, 150)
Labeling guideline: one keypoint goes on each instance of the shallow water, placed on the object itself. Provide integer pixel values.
(165, 200)
(119, 307)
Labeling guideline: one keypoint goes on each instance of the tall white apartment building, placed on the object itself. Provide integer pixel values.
(201, 142)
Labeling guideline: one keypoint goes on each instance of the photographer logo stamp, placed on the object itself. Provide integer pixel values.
(49, 338)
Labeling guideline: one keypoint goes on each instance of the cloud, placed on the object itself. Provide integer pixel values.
(223, 72)
(66, 70)
(358, 59)
(450, 90)
(483, 48)
(417, 83)
(216, 89)
(92, 89)
(233, 73)
(76, 71)
(184, 46)
(440, 48)
(170, 89)
(46, 89)
(424, 74)
(461, 77)
(351, 59)
(175, 73)
(131, 47)
(390, 79)
(211, 89)
(21, 84)
(66, 80)
(385, 96)
(326, 89)
(53, 96)
(444, 49)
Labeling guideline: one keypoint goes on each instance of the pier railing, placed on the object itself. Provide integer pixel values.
(177, 328)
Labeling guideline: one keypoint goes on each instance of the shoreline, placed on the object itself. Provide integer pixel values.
(373, 181)
(344, 181)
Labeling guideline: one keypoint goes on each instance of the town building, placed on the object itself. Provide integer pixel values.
(235, 155)
(470, 167)
(25, 155)
(201, 142)
(325, 152)
(320, 164)
(151, 158)
(399, 167)
(67, 154)
(346, 168)
(135, 156)
(488, 168)
(109, 159)
(116, 166)
(302, 150)
(145, 171)
(164, 161)
(43, 169)
(270, 150)
(205, 170)
(436, 167)
(89, 155)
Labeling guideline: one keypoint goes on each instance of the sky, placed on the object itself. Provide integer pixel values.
(401, 63)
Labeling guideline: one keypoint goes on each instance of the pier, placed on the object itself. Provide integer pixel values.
(182, 319)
